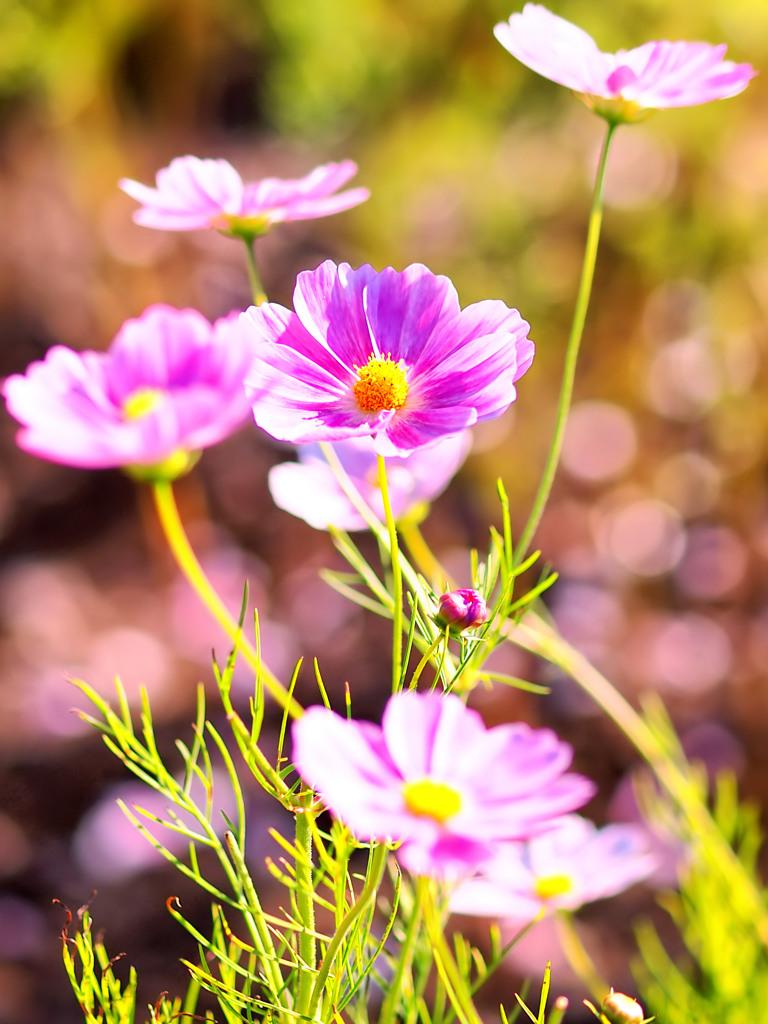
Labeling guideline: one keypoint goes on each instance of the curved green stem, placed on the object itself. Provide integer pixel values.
(257, 925)
(187, 561)
(306, 911)
(456, 985)
(578, 957)
(424, 557)
(384, 537)
(441, 640)
(377, 864)
(571, 354)
(389, 1009)
(397, 577)
(254, 277)
(535, 635)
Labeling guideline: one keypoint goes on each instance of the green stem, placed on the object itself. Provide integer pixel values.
(189, 565)
(397, 578)
(571, 354)
(535, 635)
(257, 926)
(423, 556)
(578, 958)
(378, 530)
(458, 990)
(389, 1009)
(384, 537)
(427, 657)
(376, 870)
(306, 911)
(254, 277)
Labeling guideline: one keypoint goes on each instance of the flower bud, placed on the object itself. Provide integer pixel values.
(620, 1009)
(461, 609)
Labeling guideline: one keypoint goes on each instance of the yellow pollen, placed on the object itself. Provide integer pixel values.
(142, 401)
(553, 885)
(429, 799)
(381, 384)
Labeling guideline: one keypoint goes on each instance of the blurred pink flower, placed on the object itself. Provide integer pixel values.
(435, 779)
(386, 354)
(309, 488)
(193, 193)
(633, 82)
(572, 864)
(170, 385)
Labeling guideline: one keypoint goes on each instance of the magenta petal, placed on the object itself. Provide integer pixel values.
(348, 764)
(309, 488)
(286, 199)
(620, 79)
(508, 782)
(405, 310)
(554, 48)
(459, 366)
(193, 193)
(72, 405)
(595, 863)
(190, 193)
(407, 434)
(329, 303)
(449, 857)
(423, 732)
(659, 74)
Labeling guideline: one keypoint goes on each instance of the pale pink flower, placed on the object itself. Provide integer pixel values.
(310, 490)
(170, 385)
(571, 864)
(435, 779)
(633, 82)
(192, 193)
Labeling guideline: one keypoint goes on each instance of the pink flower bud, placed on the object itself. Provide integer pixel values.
(461, 609)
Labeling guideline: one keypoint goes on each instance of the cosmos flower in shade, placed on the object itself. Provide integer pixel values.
(434, 778)
(388, 354)
(193, 193)
(310, 490)
(572, 864)
(170, 385)
(621, 86)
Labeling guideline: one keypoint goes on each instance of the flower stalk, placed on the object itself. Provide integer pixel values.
(397, 578)
(571, 354)
(254, 275)
(177, 539)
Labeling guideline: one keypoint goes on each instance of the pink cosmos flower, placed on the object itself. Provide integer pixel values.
(193, 193)
(571, 864)
(170, 384)
(435, 779)
(631, 81)
(309, 488)
(386, 354)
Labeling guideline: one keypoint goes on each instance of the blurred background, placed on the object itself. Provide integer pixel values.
(483, 171)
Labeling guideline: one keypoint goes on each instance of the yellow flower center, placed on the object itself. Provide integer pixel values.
(616, 109)
(429, 799)
(381, 384)
(141, 402)
(549, 886)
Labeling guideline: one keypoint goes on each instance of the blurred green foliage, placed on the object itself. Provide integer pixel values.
(724, 977)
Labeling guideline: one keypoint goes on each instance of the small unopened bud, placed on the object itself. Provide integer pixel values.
(620, 1009)
(461, 609)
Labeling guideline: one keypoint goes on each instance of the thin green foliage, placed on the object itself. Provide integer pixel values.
(724, 975)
